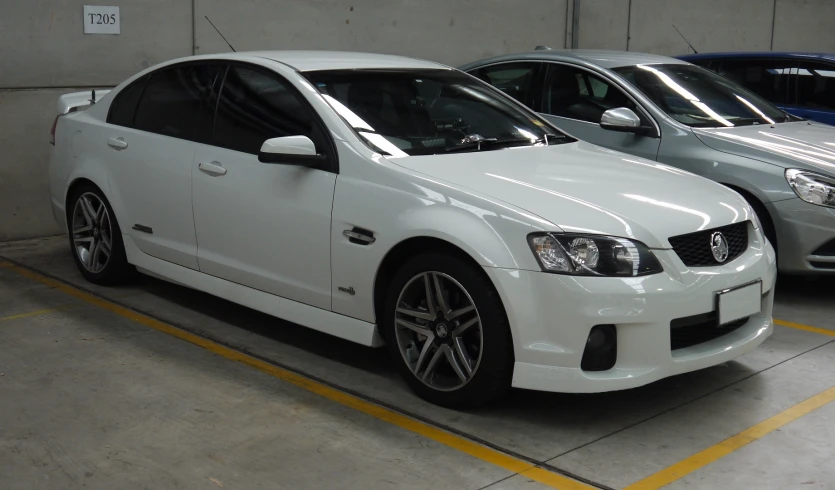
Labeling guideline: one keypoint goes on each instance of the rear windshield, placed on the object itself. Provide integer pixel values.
(423, 112)
(699, 98)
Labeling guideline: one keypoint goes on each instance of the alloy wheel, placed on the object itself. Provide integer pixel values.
(92, 233)
(438, 331)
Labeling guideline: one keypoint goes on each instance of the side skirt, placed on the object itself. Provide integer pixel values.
(316, 318)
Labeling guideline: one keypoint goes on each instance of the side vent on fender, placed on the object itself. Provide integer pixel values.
(359, 236)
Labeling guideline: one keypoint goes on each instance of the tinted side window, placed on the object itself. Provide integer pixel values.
(177, 100)
(255, 106)
(816, 85)
(770, 79)
(514, 79)
(123, 107)
(577, 94)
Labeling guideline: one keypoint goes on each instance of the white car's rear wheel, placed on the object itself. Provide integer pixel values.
(95, 237)
(447, 331)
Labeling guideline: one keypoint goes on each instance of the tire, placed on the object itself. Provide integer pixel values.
(92, 226)
(478, 338)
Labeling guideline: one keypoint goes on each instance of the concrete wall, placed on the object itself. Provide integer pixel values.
(42, 47)
(448, 31)
(804, 25)
(25, 119)
(709, 25)
(603, 24)
(42, 42)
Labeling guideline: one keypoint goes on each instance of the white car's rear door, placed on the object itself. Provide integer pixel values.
(150, 155)
(266, 226)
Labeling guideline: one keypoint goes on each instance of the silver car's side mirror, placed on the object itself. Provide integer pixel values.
(291, 150)
(623, 119)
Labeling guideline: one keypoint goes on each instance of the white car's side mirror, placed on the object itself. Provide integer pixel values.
(624, 120)
(291, 150)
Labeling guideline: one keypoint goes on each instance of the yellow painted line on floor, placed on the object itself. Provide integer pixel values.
(35, 313)
(510, 463)
(726, 447)
(807, 328)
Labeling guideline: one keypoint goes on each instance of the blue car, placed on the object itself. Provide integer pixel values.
(802, 84)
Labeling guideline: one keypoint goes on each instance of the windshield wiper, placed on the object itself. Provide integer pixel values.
(494, 143)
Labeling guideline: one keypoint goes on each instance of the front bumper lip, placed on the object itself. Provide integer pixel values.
(551, 317)
(801, 229)
(717, 351)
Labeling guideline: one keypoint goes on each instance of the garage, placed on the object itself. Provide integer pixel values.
(287, 245)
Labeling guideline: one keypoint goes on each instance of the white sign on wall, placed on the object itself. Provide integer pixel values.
(101, 20)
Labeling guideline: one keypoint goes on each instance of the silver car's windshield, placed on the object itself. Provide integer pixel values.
(699, 98)
(425, 112)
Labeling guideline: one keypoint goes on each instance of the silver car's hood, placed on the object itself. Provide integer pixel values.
(581, 187)
(802, 144)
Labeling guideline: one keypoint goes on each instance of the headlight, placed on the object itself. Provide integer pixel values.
(592, 255)
(811, 187)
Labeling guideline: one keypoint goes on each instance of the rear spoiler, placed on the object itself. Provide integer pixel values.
(72, 101)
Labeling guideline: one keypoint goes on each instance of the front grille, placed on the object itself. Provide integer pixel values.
(827, 249)
(697, 329)
(694, 248)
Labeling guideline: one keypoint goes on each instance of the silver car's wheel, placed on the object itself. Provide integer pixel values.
(439, 331)
(92, 232)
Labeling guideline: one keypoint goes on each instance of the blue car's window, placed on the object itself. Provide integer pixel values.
(816, 86)
(425, 112)
(771, 79)
(699, 98)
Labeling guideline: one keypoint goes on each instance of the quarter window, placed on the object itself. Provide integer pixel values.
(254, 107)
(123, 107)
(577, 94)
(177, 100)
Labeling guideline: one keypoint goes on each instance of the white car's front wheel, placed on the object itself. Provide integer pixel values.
(95, 237)
(447, 331)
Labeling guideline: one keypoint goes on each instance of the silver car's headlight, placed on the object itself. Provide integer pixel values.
(811, 187)
(592, 255)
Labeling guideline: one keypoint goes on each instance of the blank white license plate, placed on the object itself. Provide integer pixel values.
(740, 302)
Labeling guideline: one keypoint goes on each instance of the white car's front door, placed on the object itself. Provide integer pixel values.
(266, 226)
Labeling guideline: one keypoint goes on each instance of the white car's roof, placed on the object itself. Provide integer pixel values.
(336, 60)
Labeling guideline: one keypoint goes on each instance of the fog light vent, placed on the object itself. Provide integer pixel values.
(601, 349)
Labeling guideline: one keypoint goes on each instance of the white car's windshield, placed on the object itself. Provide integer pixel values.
(699, 98)
(425, 112)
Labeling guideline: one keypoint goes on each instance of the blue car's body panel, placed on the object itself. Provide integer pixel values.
(814, 114)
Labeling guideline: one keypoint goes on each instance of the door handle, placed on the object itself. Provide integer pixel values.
(214, 169)
(117, 143)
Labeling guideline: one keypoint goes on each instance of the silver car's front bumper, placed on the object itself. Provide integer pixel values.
(802, 229)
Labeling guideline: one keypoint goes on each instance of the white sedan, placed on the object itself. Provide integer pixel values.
(399, 202)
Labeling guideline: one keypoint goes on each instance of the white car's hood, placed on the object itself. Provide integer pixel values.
(802, 144)
(581, 187)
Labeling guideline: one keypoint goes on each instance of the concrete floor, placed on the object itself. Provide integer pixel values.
(92, 399)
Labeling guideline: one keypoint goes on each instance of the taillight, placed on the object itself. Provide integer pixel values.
(52, 131)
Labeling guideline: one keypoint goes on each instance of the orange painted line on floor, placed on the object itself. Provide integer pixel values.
(726, 447)
(800, 326)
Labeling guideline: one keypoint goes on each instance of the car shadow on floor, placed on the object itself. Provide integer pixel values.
(527, 405)
(810, 289)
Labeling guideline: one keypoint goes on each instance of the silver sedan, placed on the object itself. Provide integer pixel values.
(679, 114)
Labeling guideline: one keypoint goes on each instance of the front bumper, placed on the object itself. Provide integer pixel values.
(551, 316)
(802, 228)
